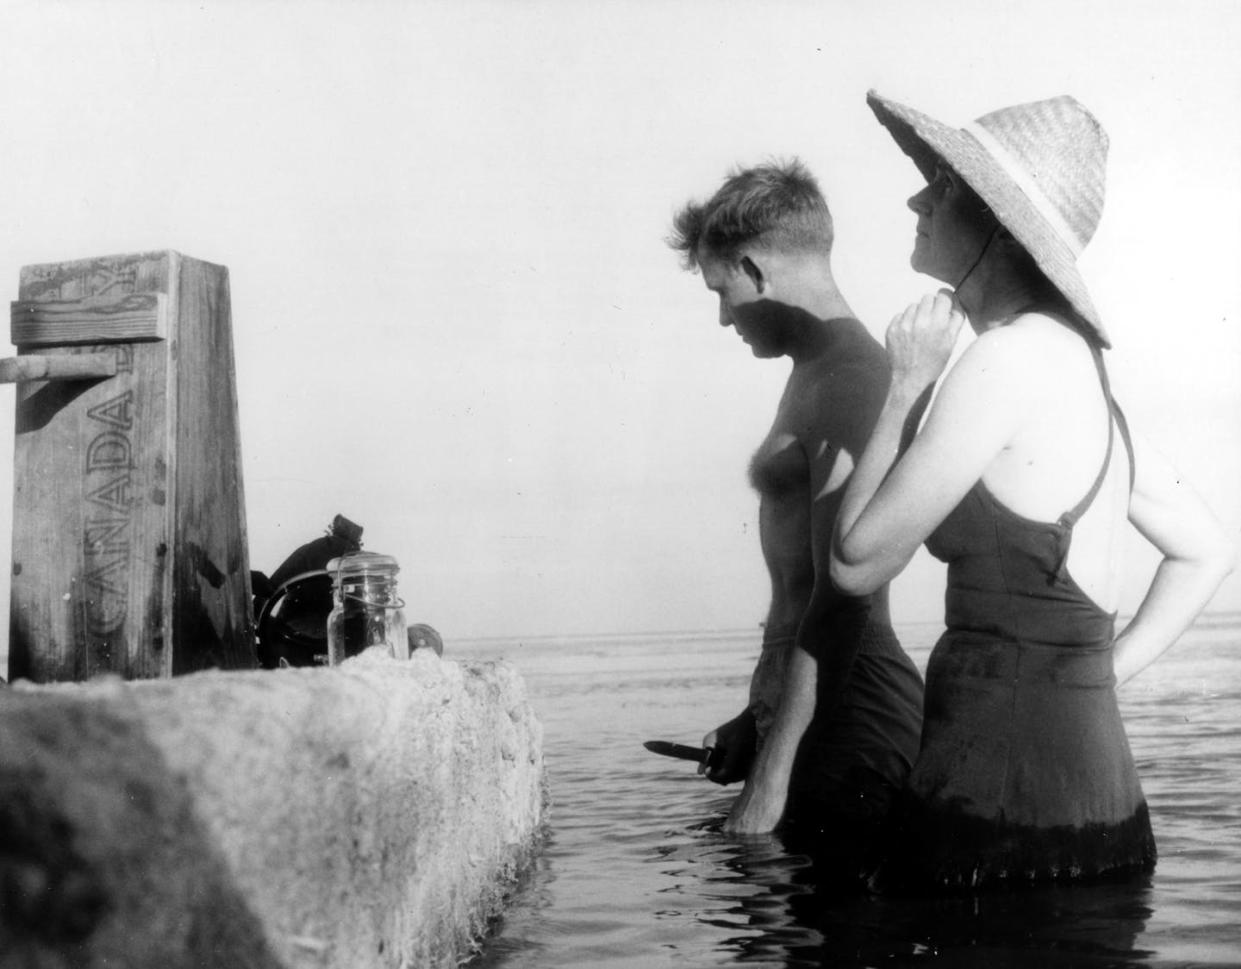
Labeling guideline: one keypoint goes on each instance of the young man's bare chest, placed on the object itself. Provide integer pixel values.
(779, 469)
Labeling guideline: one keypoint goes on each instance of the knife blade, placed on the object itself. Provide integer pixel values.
(668, 749)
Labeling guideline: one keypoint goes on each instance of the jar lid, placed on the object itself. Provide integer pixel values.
(360, 563)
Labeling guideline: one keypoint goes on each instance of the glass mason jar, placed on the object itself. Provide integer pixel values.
(366, 609)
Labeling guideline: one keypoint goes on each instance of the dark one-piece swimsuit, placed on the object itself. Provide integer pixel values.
(1024, 773)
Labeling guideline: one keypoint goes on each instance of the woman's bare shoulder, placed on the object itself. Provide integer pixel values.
(1011, 369)
(1023, 348)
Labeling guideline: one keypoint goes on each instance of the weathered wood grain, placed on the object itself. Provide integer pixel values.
(98, 319)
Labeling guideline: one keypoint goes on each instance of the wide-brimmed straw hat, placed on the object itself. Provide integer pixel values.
(1038, 166)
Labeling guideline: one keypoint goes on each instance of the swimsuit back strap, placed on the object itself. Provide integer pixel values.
(1123, 423)
(1114, 417)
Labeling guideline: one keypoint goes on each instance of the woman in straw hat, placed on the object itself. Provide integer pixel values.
(1021, 478)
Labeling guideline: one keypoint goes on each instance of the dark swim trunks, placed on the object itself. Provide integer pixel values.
(857, 750)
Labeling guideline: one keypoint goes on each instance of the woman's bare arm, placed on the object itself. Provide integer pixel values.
(894, 499)
(1197, 556)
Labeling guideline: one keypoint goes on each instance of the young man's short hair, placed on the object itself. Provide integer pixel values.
(775, 206)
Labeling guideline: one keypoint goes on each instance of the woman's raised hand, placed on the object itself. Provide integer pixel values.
(921, 339)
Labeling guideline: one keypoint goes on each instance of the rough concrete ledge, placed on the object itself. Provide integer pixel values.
(369, 815)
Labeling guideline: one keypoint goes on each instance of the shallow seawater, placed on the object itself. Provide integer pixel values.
(633, 874)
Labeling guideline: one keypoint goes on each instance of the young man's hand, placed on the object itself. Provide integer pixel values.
(733, 747)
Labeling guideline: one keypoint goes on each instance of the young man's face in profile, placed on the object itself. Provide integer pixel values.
(741, 303)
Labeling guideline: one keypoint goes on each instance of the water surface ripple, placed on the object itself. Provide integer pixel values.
(635, 876)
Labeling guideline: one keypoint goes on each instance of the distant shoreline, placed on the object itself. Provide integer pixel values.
(915, 631)
(1208, 620)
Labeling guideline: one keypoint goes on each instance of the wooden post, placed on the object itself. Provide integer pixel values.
(129, 538)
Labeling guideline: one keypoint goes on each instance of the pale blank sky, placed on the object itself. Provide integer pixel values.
(455, 318)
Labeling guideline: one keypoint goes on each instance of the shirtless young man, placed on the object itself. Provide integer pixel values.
(833, 720)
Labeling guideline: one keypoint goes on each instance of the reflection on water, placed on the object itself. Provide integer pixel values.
(1074, 926)
(636, 873)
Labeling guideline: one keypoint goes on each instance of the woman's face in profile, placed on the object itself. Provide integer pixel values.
(951, 230)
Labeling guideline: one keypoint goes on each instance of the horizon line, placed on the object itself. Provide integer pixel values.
(1208, 617)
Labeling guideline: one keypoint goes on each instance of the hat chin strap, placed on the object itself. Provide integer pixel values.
(981, 252)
